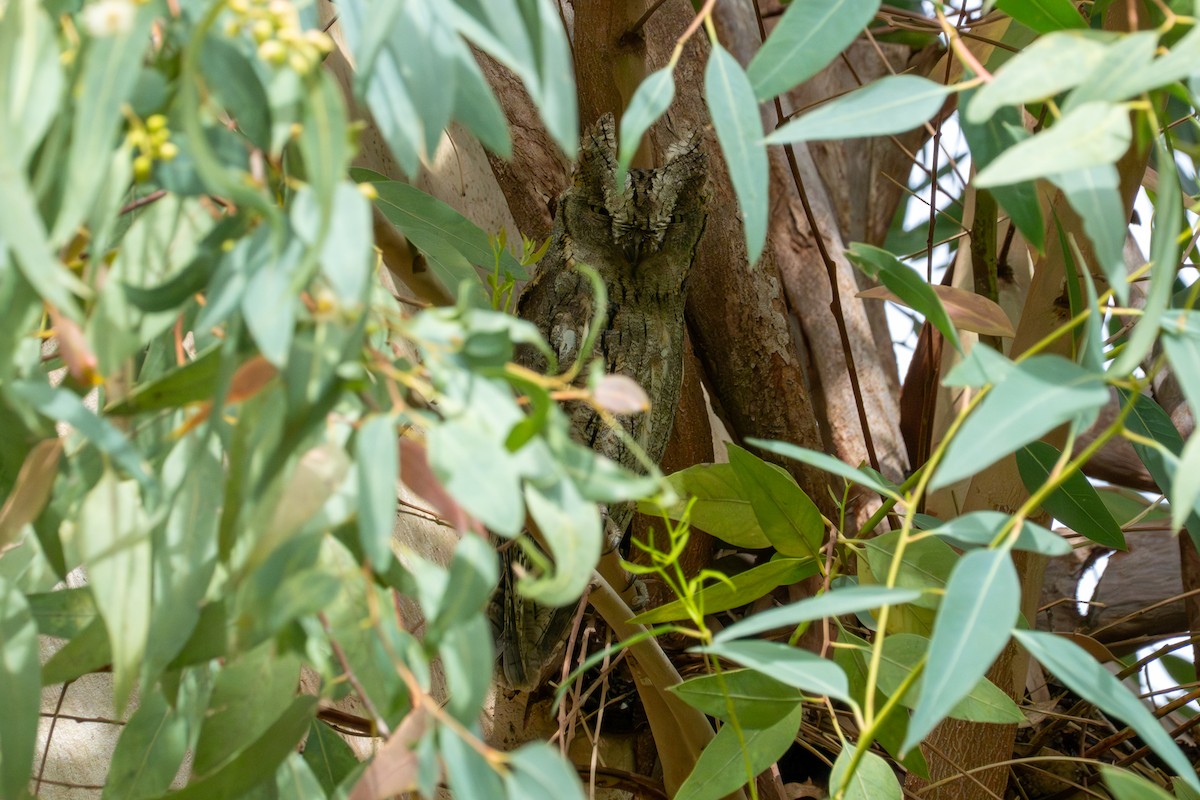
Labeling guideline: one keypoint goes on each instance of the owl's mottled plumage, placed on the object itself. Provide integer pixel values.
(641, 238)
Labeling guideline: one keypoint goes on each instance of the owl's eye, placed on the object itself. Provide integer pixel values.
(600, 210)
(676, 219)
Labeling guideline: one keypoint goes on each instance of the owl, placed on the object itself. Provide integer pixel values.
(641, 237)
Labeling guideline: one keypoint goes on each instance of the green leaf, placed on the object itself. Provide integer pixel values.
(453, 243)
(23, 231)
(788, 518)
(346, 253)
(1123, 72)
(978, 368)
(249, 696)
(987, 140)
(1085, 677)
(478, 472)
(739, 130)
(473, 574)
(1052, 64)
(377, 459)
(268, 302)
(721, 507)
(1043, 16)
(235, 84)
(539, 772)
(1094, 194)
(528, 38)
(651, 100)
(109, 72)
(30, 93)
(469, 776)
(926, 565)
(295, 779)
(329, 757)
(833, 603)
(1181, 343)
(1037, 396)
(872, 779)
(746, 587)
(63, 613)
(806, 38)
(184, 550)
(195, 380)
(113, 543)
(1185, 489)
(256, 763)
(1091, 135)
(571, 528)
(1124, 785)
(1076, 503)
(982, 602)
(149, 752)
(894, 104)
(906, 284)
(467, 658)
(757, 700)
(730, 761)
(986, 702)
(1164, 260)
(979, 528)
(790, 665)
(20, 690)
(824, 462)
(88, 651)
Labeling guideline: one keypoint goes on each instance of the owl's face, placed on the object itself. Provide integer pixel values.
(646, 228)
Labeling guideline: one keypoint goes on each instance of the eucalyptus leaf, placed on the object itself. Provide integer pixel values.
(833, 603)
(730, 761)
(1091, 135)
(754, 699)
(791, 665)
(788, 518)
(873, 779)
(894, 104)
(1075, 503)
(735, 117)
(806, 38)
(649, 102)
(1083, 675)
(982, 602)
(20, 690)
(736, 590)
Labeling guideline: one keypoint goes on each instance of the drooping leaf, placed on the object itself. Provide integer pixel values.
(834, 603)
(722, 768)
(743, 588)
(20, 690)
(967, 310)
(1037, 396)
(872, 779)
(755, 699)
(894, 104)
(571, 527)
(793, 666)
(1124, 785)
(649, 102)
(1094, 194)
(149, 751)
(827, 463)
(1091, 135)
(982, 602)
(1088, 679)
(377, 462)
(735, 118)
(1076, 503)
(904, 281)
(786, 515)
(540, 773)
(807, 37)
(1053, 63)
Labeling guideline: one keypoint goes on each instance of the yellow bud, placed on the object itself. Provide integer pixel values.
(262, 30)
(319, 40)
(228, 245)
(299, 63)
(272, 52)
(239, 6)
(143, 165)
(168, 151)
(368, 191)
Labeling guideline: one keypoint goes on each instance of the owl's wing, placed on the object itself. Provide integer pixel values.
(559, 302)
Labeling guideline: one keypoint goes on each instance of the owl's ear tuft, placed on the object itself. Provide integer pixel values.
(597, 166)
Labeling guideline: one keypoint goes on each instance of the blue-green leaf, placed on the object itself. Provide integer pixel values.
(737, 590)
(906, 284)
(807, 37)
(1037, 396)
(982, 602)
(894, 104)
(1085, 677)
(20, 690)
(872, 779)
(739, 130)
(1052, 64)
(791, 665)
(827, 463)
(378, 465)
(1124, 785)
(716, 504)
(979, 528)
(1090, 135)
(834, 603)
(1094, 194)
(756, 700)
(648, 103)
